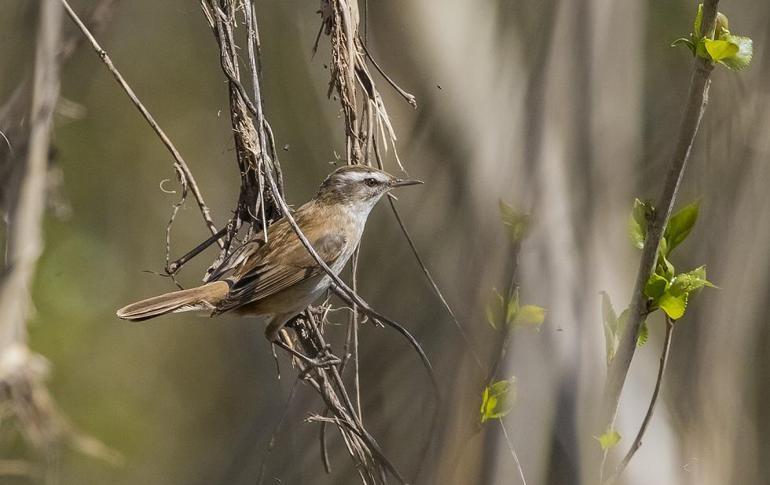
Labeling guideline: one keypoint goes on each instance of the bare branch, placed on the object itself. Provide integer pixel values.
(183, 172)
(650, 409)
(512, 451)
(23, 372)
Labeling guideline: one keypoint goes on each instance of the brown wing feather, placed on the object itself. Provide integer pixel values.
(281, 263)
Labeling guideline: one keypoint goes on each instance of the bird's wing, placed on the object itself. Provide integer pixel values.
(282, 263)
(235, 260)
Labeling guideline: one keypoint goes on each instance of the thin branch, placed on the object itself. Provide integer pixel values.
(276, 430)
(693, 113)
(348, 412)
(409, 98)
(25, 231)
(354, 323)
(512, 451)
(184, 174)
(651, 408)
(434, 286)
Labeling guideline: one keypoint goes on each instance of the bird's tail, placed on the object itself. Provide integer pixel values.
(203, 297)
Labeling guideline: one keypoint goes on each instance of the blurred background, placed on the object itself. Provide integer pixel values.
(566, 110)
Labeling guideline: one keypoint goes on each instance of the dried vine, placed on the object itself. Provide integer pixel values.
(261, 202)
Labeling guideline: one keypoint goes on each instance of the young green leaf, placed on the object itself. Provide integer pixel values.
(609, 439)
(655, 287)
(720, 49)
(613, 326)
(529, 316)
(512, 308)
(644, 335)
(498, 399)
(494, 309)
(684, 41)
(742, 59)
(637, 225)
(610, 324)
(722, 26)
(696, 24)
(690, 281)
(680, 225)
(516, 222)
(673, 305)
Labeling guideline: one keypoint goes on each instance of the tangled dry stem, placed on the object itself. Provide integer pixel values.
(261, 202)
(261, 196)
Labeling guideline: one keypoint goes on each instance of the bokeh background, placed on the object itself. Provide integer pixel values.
(565, 109)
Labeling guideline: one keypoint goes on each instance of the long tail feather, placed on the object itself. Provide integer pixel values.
(203, 297)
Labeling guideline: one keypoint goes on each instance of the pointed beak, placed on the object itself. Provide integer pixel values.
(405, 182)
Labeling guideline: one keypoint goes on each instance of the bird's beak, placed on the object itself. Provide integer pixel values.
(405, 182)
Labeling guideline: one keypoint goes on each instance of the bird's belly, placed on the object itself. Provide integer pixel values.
(296, 298)
(291, 300)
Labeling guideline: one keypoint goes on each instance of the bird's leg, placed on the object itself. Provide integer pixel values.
(277, 335)
(324, 358)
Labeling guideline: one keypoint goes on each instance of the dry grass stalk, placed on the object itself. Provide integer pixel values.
(24, 397)
(340, 21)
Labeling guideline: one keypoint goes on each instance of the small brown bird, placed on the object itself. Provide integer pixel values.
(280, 278)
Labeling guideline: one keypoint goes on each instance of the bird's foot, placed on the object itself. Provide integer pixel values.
(322, 360)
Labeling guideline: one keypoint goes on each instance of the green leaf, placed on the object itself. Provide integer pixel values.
(530, 316)
(673, 305)
(494, 309)
(698, 20)
(512, 308)
(609, 439)
(622, 319)
(742, 59)
(610, 325)
(674, 300)
(516, 222)
(680, 225)
(684, 41)
(644, 334)
(691, 281)
(722, 26)
(664, 267)
(498, 399)
(720, 49)
(655, 287)
(613, 326)
(637, 225)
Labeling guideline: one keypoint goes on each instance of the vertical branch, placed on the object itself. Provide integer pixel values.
(651, 408)
(354, 334)
(23, 393)
(693, 113)
(24, 234)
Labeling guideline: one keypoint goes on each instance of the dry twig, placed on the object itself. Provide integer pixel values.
(23, 393)
(650, 408)
(185, 176)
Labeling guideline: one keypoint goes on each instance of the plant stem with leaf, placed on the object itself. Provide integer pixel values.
(696, 104)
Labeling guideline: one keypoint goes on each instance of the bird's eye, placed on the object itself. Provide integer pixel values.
(370, 182)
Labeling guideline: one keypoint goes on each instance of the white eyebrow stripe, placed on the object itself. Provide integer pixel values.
(360, 176)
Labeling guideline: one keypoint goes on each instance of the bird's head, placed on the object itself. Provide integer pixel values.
(359, 185)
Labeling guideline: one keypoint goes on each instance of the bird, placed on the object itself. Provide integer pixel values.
(277, 278)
